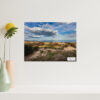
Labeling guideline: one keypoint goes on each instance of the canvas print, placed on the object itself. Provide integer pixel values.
(50, 41)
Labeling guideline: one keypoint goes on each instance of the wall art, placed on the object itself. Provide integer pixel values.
(50, 41)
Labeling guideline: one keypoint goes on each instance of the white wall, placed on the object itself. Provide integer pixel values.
(87, 15)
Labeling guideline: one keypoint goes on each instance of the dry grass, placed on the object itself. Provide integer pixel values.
(50, 51)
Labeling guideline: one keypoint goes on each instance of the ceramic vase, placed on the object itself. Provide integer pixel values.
(5, 81)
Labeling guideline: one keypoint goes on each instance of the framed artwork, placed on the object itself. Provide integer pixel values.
(50, 41)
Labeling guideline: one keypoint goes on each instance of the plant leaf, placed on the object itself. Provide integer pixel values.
(11, 32)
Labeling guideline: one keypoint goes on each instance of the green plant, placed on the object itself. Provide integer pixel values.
(10, 31)
(29, 49)
(41, 51)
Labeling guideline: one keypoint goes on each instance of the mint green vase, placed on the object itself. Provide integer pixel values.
(5, 81)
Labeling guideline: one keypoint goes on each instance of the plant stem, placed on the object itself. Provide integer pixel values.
(9, 47)
(4, 50)
(0, 59)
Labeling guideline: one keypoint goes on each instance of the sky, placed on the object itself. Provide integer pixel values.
(50, 31)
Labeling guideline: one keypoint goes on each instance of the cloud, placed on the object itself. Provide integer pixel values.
(72, 35)
(67, 37)
(47, 26)
(64, 27)
(41, 31)
(27, 28)
(36, 36)
(30, 35)
(54, 31)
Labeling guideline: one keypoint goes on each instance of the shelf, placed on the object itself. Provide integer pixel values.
(57, 89)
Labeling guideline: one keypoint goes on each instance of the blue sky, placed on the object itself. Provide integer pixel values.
(50, 31)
